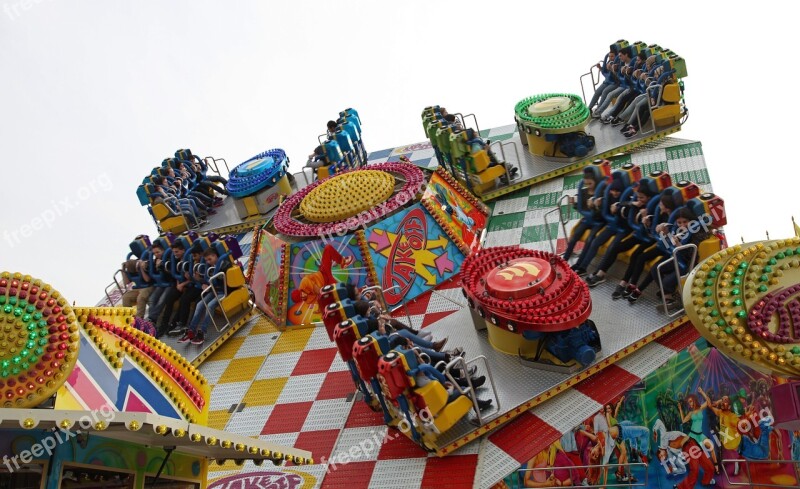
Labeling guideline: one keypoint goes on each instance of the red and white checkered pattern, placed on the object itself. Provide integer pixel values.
(398, 462)
(434, 305)
(514, 444)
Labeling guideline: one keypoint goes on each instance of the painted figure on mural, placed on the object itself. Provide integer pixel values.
(307, 292)
(699, 421)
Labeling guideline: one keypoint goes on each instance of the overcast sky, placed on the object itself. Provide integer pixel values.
(95, 93)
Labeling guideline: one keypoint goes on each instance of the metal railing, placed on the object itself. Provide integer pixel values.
(115, 283)
(212, 163)
(650, 107)
(469, 391)
(594, 82)
(212, 290)
(602, 468)
(561, 219)
(462, 118)
(674, 261)
(751, 483)
(385, 307)
(501, 145)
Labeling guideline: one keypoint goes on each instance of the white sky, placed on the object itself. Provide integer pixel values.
(93, 94)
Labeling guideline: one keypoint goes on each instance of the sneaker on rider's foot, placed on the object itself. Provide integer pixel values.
(457, 352)
(616, 121)
(484, 403)
(187, 337)
(673, 304)
(619, 292)
(628, 290)
(634, 295)
(476, 381)
(594, 280)
(178, 329)
(199, 338)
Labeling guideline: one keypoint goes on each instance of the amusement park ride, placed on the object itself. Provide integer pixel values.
(412, 317)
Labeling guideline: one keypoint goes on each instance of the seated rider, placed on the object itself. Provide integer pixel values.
(478, 144)
(317, 158)
(331, 132)
(426, 373)
(590, 208)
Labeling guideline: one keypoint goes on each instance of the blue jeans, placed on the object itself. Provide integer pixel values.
(414, 338)
(629, 110)
(637, 436)
(609, 97)
(152, 304)
(424, 345)
(599, 92)
(202, 315)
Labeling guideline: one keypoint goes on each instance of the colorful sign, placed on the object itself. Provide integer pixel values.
(411, 254)
(125, 370)
(70, 455)
(314, 264)
(699, 421)
(461, 215)
(266, 480)
(266, 274)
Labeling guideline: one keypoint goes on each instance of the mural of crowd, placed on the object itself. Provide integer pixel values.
(700, 420)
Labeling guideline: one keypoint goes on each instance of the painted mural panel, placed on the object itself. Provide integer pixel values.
(411, 254)
(314, 264)
(459, 214)
(266, 276)
(700, 420)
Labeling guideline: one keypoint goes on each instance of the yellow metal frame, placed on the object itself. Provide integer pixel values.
(491, 195)
(549, 394)
(232, 329)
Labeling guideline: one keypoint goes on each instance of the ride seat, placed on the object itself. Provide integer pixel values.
(393, 374)
(433, 397)
(336, 312)
(711, 205)
(367, 352)
(169, 220)
(708, 247)
(238, 297)
(346, 334)
(139, 246)
(331, 293)
(667, 115)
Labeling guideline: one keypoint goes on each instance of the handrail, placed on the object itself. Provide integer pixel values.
(604, 468)
(561, 219)
(650, 108)
(211, 288)
(470, 389)
(464, 124)
(211, 162)
(320, 141)
(385, 305)
(114, 283)
(674, 260)
(594, 83)
(750, 483)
